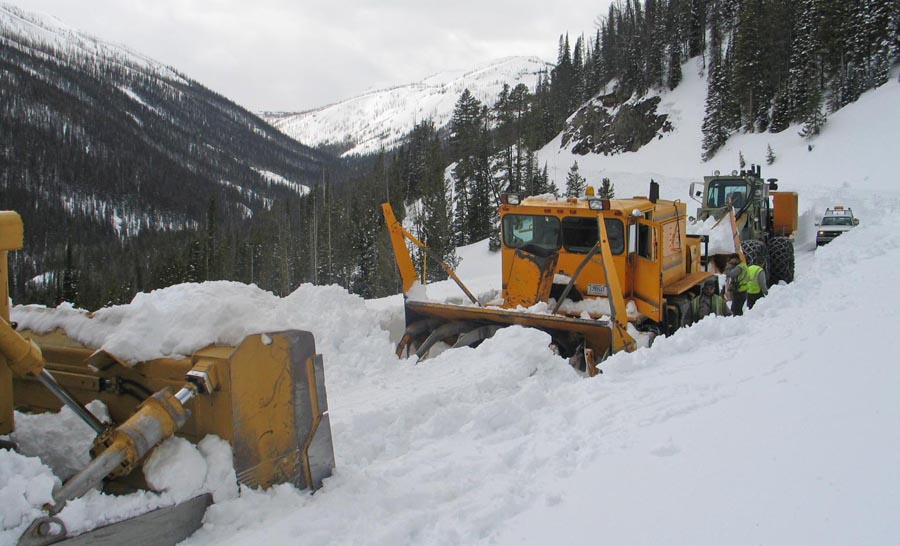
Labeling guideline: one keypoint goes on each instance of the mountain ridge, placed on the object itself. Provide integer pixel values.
(353, 123)
(107, 146)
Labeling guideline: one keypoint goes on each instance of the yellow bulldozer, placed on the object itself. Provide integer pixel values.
(265, 396)
(586, 256)
(763, 220)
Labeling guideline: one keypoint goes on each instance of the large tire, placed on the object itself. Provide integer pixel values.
(781, 260)
(756, 253)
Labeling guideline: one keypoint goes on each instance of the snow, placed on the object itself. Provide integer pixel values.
(62, 440)
(380, 118)
(778, 427)
(277, 179)
(47, 30)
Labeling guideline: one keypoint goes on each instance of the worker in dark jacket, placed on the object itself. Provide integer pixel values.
(748, 283)
(709, 302)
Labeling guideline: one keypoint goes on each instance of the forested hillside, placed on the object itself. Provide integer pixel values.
(130, 176)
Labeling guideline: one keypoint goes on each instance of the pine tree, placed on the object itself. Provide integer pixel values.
(70, 278)
(465, 126)
(607, 189)
(770, 155)
(741, 161)
(675, 75)
(816, 119)
(805, 66)
(780, 113)
(715, 123)
(575, 183)
(748, 70)
(578, 75)
(696, 26)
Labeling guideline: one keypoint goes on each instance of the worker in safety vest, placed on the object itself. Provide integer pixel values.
(748, 283)
(708, 302)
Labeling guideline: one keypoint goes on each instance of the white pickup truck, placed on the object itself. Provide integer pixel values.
(836, 220)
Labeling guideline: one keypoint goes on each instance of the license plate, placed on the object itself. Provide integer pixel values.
(597, 290)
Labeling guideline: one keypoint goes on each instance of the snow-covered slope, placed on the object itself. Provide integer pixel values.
(778, 427)
(50, 31)
(380, 118)
(855, 155)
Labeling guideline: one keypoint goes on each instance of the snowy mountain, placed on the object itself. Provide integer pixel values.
(381, 118)
(778, 427)
(104, 145)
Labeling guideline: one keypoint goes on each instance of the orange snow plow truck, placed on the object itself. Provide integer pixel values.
(606, 270)
(265, 396)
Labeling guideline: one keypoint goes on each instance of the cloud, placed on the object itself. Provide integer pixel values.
(287, 55)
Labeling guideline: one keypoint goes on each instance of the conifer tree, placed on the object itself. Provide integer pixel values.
(607, 189)
(674, 74)
(770, 155)
(816, 118)
(578, 75)
(804, 68)
(465, 136)
(575, 183)
(70, 278)
(715, 126)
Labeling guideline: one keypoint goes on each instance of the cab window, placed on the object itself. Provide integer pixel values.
(723, 191)
(837, 221)
(645, 242)
(526, 229)
(579, 234)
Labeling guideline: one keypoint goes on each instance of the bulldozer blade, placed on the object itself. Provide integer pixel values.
(161, 527)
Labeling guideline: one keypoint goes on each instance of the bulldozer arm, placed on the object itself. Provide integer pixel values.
(265, 396)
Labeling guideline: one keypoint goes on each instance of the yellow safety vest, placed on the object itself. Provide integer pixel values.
(749, 283)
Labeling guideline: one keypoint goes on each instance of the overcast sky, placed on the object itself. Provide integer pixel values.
(300, 54)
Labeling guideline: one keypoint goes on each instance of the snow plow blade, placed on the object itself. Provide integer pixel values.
(162, 527)
(569, 334)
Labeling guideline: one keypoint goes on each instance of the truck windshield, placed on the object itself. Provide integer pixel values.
(721, 191)
(526, 229)
(579, 234)
(837, 221)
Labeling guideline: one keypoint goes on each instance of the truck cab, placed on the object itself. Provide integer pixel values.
(546, 242)
(835, 221)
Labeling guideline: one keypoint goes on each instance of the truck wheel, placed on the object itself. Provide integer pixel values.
(781, 260)
(756, 252)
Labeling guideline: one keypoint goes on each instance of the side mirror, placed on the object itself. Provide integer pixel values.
(694, 192)
(632, 238)
(817, 224)
(856, 221)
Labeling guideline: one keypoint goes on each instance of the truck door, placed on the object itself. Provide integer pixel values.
(647, 257)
